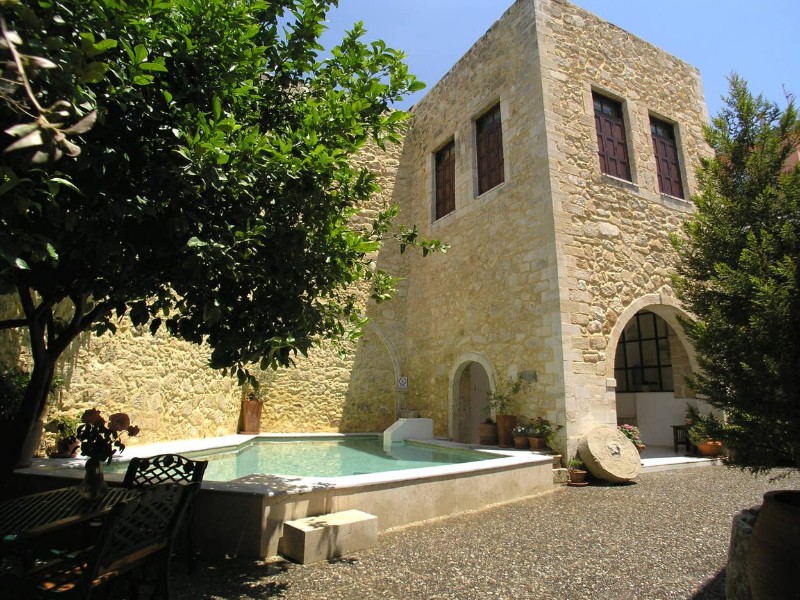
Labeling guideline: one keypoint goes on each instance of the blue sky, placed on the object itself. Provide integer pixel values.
(757, 39)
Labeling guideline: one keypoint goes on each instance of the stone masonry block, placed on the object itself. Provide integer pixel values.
(327, 536)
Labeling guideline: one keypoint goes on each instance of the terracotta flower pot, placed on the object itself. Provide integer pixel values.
(487, 434)
(709, 448)
(521, 442)
(66, 447)
(537, 443)
(577, 477)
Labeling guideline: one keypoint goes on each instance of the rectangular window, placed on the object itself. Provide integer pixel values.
(666, 152)
(611, 145)
(489, 141)
(446, 180)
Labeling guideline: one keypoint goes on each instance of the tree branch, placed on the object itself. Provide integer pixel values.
(20, 69)
(33, 320)
(13, 323)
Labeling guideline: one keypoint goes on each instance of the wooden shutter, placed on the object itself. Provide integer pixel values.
(666, 153)
(446, 180)
(489, 133)
(611, 145)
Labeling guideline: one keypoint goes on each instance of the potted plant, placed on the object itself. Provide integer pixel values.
(632, 433)
(487, 433)
(520, 433)
(502, 402)
(66, 442)
(702, 433)
(540, 432)
(577, 472)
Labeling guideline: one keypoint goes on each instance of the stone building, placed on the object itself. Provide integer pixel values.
(556, 157)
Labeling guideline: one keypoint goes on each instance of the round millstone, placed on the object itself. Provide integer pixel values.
(609, 454)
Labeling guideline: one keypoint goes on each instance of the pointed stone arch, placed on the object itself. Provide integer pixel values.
(394, 356)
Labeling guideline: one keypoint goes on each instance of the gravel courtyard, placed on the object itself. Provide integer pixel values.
(664, 536)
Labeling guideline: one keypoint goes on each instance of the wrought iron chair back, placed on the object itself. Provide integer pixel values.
(143, 472)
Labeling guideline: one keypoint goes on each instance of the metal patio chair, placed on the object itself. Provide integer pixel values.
(145, 472)
(137, 533)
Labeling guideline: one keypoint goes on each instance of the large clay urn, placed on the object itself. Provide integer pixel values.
(774, 555)
(505, 430)
(250, 417)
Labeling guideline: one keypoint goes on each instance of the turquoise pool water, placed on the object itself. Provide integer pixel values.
(323, 457)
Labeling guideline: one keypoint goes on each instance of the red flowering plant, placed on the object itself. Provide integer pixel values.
(632, 433)
(100, 441)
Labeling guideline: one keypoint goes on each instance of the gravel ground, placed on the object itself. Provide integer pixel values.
(664, 536)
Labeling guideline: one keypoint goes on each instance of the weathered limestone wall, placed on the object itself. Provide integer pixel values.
(166, 387)
(612, 236)
(494, 290)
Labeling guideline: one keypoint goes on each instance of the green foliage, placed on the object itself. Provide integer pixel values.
(13, 383)
(520, 430)
(575, 464)
(543, 428)
(738, 276)
(213, 192)
(64, 426)
(503, 400)
(705, 428)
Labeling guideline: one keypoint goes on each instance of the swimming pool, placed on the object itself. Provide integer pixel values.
(244, 516)
(323, 457)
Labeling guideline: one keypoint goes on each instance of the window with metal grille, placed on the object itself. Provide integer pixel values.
(665, 150)
(643, 361)
(611, 145)
(446, 180)
(489, 140)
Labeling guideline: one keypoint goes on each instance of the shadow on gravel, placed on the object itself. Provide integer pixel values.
(714, 589)
(593, 481)
(229, 578)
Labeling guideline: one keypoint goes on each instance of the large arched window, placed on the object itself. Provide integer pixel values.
(643, 362)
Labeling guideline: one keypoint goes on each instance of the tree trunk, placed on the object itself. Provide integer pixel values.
(31, 409)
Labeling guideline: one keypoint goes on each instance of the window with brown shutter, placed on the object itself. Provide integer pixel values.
(446, 180)
(611, 145)
(666, 152)
(489, 139)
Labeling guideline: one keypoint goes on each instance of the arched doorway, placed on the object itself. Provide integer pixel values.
(469, 408)
(651, 363)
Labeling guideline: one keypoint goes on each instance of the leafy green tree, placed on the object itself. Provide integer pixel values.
(189, 164)
(739, 277)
